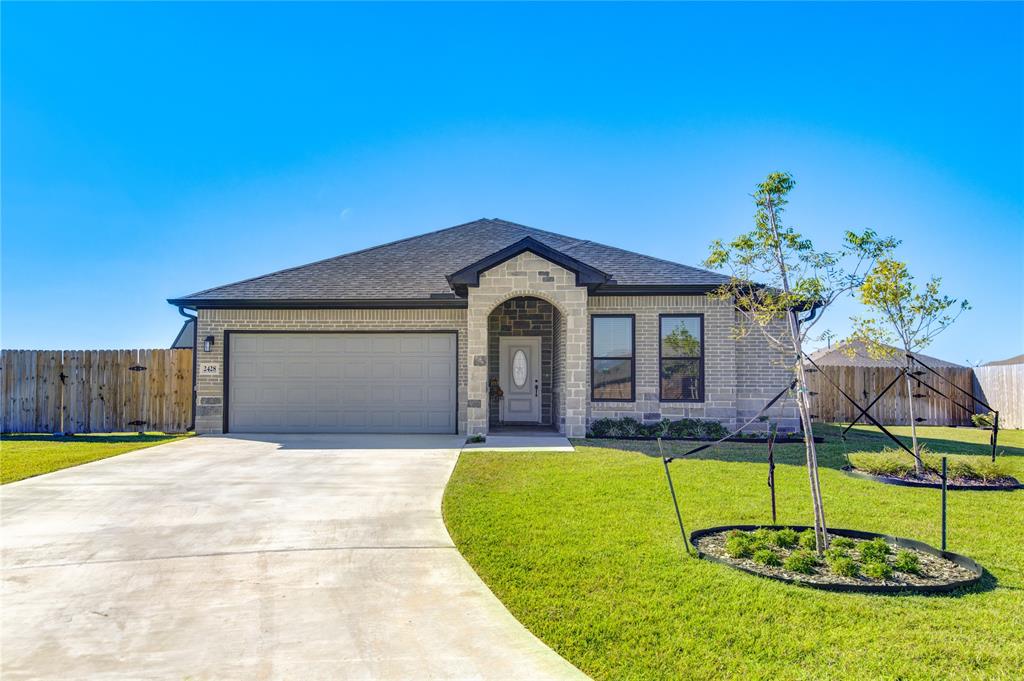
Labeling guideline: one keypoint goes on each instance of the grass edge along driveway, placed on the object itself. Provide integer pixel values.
(28, 455)
(584, 549)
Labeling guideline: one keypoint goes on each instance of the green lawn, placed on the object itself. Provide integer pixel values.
(24, 456)
(584, 549)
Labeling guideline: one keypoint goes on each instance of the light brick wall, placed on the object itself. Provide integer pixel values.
(761, 372)
(530, 275)
(739, 374)
(210, 389)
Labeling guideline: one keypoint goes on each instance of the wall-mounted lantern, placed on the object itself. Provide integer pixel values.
(208, 344)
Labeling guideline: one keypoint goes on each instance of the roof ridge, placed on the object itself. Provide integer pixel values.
(579, 242)
(337, 257)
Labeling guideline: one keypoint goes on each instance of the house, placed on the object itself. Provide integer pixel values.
(185, 340)
(856, 354)
(1009, 361)
(467, 328)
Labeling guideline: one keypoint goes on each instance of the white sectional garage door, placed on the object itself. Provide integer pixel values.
(341, 383)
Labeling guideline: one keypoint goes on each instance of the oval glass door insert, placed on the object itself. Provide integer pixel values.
(519, 368)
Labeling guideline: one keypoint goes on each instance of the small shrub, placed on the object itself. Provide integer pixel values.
(630, 427)
(843, 543)
(801, 561)
(844, 566)
(763, 534)
(874, 551)
(807, 540)
(907, 561)
(834, 553)
(984, 420)
(877, 569)
(888, 462)
(739, 546)
(767, 557)
(786, 538)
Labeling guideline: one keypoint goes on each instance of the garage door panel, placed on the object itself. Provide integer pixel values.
(344, 382)
(379, 369)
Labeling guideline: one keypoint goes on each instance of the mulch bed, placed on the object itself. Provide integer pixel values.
(748, 440)
(940, 570)
(934, 481)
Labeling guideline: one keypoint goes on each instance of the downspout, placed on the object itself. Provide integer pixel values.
(195, 355)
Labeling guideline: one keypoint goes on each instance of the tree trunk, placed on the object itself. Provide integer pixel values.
(802, 396)
(918, 464)
(804, 405)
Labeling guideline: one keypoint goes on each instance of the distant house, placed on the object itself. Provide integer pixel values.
(855, 354)
(1019, 359)
(479, 325)
(185, 340)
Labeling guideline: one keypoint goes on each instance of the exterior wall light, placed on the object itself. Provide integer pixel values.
(208, 344)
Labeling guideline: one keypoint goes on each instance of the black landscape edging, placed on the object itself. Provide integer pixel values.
(963, 561)
(952, 486)
(748, 440)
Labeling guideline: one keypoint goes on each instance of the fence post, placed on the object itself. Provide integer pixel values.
(945, 475)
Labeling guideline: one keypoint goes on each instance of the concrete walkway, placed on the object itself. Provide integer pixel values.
(278, 557)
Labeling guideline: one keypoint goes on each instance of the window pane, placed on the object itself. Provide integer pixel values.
(680, 337)
(680, 379)
(613, 336)
(613, 379)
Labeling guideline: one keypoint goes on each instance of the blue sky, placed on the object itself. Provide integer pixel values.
(152, 150)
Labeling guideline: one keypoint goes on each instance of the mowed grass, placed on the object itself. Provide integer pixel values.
(584, 549)
(25, 456)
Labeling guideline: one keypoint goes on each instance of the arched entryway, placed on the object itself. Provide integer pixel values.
(524, 364)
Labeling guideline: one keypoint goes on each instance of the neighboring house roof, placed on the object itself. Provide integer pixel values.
(855, 354)
(1019, 359)
(414, 271)
(185, 337)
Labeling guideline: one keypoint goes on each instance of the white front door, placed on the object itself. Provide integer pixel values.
(519, 377)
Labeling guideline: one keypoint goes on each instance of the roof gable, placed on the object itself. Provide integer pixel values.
(414, 272)
(470, 274)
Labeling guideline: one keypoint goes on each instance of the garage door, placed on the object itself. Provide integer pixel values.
(341, 383)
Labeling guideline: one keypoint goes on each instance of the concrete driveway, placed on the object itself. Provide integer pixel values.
(277, 557)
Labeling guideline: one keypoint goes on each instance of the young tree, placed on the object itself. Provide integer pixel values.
(905, 315)
(781, 285)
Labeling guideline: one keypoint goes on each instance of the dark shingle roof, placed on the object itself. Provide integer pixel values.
(414, 269)
(856, 354)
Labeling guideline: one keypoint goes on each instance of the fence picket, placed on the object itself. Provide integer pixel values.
(99, 392)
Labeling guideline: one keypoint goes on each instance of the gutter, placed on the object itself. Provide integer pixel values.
(195, 358)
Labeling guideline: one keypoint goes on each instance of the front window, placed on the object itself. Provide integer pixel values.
(611, 363)
(682, 358)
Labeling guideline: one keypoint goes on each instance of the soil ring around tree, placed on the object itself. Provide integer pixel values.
(956, 571)
(745, 440)
(1009, 485)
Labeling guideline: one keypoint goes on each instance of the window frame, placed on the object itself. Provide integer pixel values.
(703, 351)
(632, 358)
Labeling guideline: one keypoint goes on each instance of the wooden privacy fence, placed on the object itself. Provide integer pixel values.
(1002, 386)
(96, 391)
(864, 384)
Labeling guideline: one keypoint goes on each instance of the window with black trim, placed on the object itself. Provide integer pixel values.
(682, 358)
(611, 358)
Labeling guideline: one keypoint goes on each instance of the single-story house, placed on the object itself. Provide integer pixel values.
(473, 327)
(857, 354)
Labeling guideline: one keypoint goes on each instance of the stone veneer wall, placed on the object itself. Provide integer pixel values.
(210, 389)
(522, 317)
(739, 374)
(530, 275)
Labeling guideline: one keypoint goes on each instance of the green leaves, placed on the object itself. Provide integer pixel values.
(906, 313)
(776, 270)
